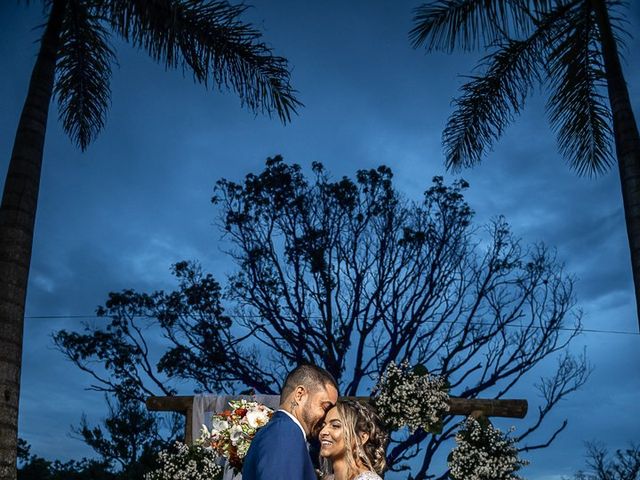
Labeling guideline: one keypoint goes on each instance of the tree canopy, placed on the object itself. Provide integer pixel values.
(351, 276)
(126, 445)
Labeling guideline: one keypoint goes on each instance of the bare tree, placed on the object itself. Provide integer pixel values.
(349, 275)
(624, 465)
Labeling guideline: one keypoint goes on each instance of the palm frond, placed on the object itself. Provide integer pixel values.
(619, 17)
(83, 72)
(467, 24)
(489, 102)
(207, 38)
(578, 111)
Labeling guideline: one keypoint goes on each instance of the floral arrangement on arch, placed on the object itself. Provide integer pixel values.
(411, 397)
(187, 462)
(232, 430)
(483, 452)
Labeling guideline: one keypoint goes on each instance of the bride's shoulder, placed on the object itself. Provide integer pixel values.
(368, 476)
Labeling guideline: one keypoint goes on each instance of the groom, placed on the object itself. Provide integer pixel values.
(279, 450)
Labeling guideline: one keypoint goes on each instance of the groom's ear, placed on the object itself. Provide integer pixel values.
(364, 437)
(299, 392)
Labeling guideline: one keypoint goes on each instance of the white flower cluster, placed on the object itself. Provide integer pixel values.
(483, 452)
(187, 462)
(407, 397)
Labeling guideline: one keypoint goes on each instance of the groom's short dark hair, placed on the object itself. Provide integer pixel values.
(309, 376)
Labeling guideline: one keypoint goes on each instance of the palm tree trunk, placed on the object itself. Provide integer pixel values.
(17, 218)
(627, 140)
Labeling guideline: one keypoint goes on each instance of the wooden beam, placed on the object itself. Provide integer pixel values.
(457, 406)
(178, 403)
(489, 408)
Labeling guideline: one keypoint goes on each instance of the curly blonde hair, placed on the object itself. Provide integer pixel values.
(358, 418)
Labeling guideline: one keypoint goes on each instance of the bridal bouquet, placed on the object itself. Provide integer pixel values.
(232, 430)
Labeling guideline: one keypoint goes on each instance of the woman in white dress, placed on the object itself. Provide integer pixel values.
(352, 443)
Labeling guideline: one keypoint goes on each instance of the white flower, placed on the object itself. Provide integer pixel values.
(257, 418)
(218, 425)
(236, 434)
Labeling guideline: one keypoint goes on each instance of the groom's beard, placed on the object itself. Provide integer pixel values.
(313, 424)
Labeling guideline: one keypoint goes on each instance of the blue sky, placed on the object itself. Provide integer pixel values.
(118, 215)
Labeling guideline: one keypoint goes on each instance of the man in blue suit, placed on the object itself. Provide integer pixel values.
(279, 451)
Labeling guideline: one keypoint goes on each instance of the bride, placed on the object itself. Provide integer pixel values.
(352, 443)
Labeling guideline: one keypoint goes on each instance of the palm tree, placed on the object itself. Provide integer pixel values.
(570, 48)
(205, 38)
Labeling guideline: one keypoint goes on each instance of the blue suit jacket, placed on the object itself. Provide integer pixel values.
(278, 452)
